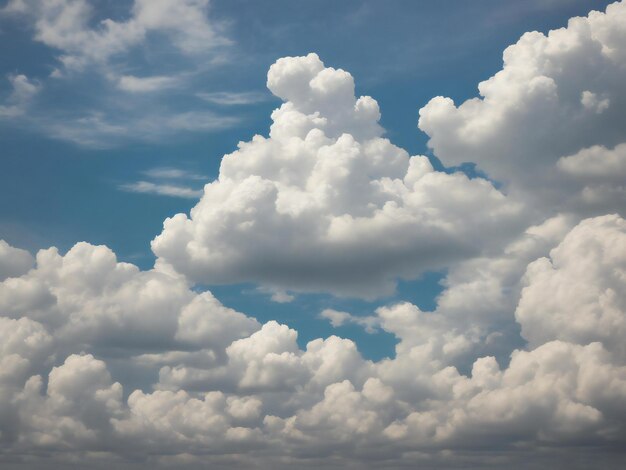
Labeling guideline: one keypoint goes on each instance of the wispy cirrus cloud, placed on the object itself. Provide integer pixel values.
(225, 98)
(23, 90)
(67, 26)
(161, 189)
(104, 130)
(174, 173)
(133, 84)
(116, 75)
(167, 181)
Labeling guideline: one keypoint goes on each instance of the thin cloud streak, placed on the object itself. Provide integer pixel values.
(147, 187)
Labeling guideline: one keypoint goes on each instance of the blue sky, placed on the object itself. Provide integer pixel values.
(412, 226)
(57, 190)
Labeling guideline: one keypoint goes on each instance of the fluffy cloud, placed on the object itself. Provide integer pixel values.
(522, 358)
(89, 301)
(548, 101)
(13, 261)
(227, 386)
(327, 204)
(600, 173)
(578, 293)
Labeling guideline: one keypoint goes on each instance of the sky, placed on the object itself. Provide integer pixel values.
(292, 234)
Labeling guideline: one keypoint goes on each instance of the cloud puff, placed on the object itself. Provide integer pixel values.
(327, 204)
(600, 173)
(548, 101)
(578, 293)
(13, 261)
(230, 389)
(22, 93)
(88, 298)
(338, 318)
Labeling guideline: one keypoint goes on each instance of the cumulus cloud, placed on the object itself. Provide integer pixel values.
(13, 261)
(596, 163)
(521, 361)
(548, 101)
(227, 386)
(325, 203)
(577, 294)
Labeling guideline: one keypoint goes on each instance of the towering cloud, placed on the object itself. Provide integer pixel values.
(327, 204)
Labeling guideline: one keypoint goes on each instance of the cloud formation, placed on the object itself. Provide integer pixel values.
(521, 363)
(66, 25)
(22, 93)
(547, 102)
(88, 45)
(208, 381)
(325, 203)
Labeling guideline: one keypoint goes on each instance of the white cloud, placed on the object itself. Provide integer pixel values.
(578, 293)
(134, 84)
(121, 99)
(65, 25)
(596, 163)
(13, 261)
(87, 297)
(599, 173)
(226, 98)
(173, 173)
(591, 101)
(161, 189)
(109, 365)
(226, 385)
(337, 318)
(277, 295)
(555, 95)
(166, 182)
(101, 130)
(326, 204)
(22, 93)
